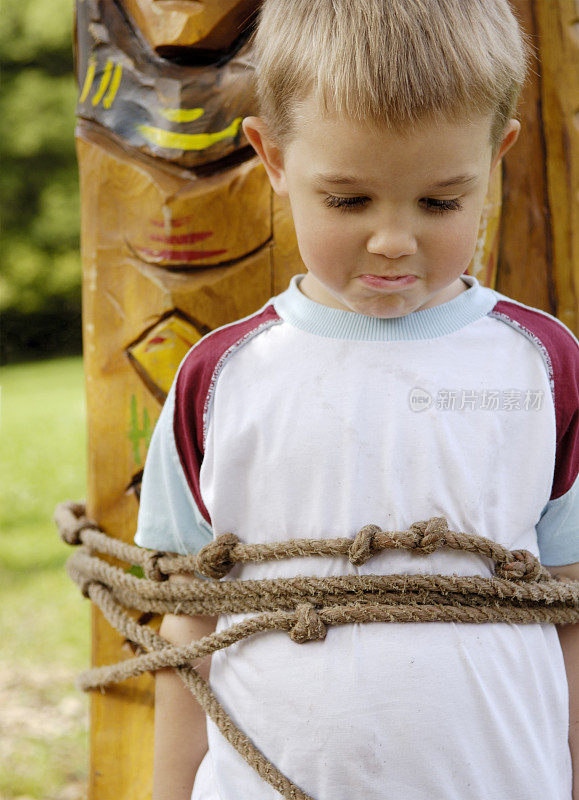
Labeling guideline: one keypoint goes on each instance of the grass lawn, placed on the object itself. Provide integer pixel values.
(44, 621)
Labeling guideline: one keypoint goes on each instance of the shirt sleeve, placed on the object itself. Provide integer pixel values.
(558, 529)
(169, 518)
(172, 514)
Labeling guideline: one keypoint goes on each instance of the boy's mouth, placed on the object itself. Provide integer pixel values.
(382, 282)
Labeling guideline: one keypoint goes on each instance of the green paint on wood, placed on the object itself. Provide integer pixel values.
(138, 434)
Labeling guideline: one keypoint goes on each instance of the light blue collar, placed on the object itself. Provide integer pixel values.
(427, 323)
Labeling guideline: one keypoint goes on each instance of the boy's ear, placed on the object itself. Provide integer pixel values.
(510, 136)
(262, 142)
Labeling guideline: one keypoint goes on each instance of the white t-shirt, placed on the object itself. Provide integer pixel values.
(308, 421)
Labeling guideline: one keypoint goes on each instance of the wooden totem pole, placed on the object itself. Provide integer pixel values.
(181, 234)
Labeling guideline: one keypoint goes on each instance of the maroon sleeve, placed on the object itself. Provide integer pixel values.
(560, 352)
(195, 386)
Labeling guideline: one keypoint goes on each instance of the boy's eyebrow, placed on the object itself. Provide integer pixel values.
(459, 180)
(347, 180)
(341, 180)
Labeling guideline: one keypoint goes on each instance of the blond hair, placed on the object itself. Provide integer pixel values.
(389, 62)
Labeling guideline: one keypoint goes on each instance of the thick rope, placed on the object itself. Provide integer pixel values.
(521, 591)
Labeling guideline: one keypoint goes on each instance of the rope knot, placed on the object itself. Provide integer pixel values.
(429, 535)
(72, 521)
(151, 565)
(362, 548)
(522, 566)
(85, 582)
(308, 626)
(216, 559)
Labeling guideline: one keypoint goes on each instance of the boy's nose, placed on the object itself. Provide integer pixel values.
(392, 243)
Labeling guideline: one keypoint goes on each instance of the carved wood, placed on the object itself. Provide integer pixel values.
(168, 24)
(139, 320)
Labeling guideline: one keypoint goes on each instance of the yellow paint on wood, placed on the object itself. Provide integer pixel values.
(187, 141)
(182, 114)
(114, 87)
(89, 78)
(104, 83)
(158, 354)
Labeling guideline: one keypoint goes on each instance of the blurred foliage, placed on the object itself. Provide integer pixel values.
(40, 278)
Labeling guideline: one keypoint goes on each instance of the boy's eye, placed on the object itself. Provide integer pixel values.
(432, 204)
(440, 206)
(345, 203)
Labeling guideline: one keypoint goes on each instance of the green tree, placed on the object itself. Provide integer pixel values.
(40, 263)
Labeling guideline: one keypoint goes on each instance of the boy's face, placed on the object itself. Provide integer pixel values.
(377, 230)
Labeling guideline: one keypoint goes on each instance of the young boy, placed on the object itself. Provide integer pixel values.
(386, 387)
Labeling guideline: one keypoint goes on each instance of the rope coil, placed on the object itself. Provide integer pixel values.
(521, 591)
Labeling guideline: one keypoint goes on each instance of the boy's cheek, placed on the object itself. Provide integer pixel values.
(322, 241)
(315, 234)
(456, 243)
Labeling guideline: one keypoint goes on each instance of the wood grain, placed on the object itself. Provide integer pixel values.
(558, 32)
(539, 253)
(123, 297)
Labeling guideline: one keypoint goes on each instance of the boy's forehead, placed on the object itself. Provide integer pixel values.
(309, 119)
(343, 148)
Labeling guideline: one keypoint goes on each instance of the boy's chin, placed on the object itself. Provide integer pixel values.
(369, 305)
(380, 305)
(397, 305)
